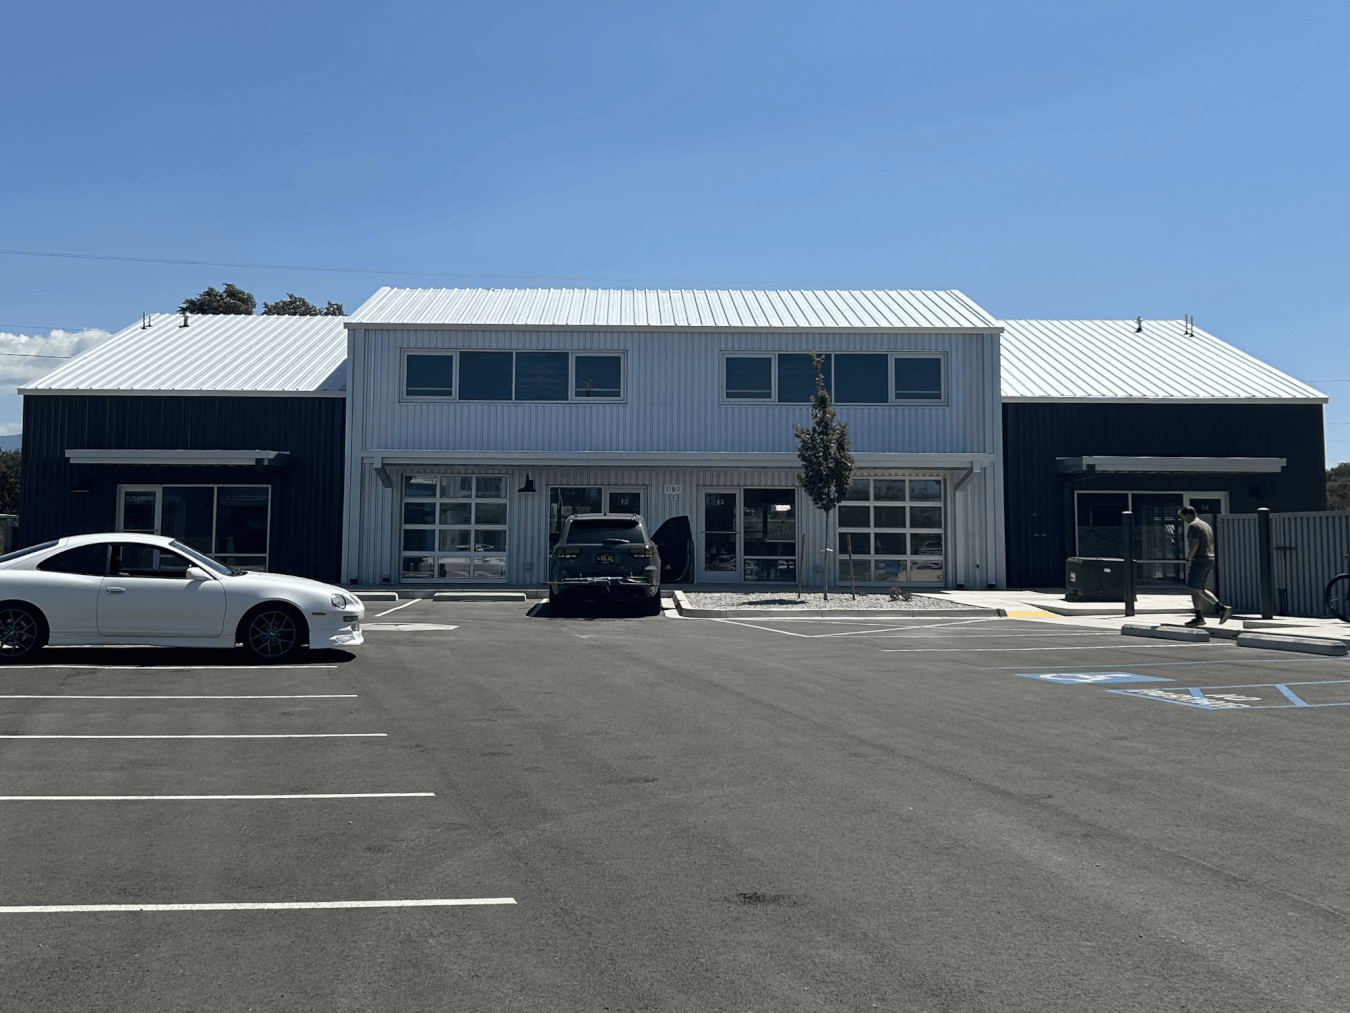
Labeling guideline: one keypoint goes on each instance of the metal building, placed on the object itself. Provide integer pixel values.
(479, 419)
(223, 431)
(1103, 416)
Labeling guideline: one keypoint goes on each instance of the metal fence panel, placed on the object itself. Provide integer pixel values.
(1308, 549)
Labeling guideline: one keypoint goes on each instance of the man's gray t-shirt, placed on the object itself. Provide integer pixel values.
(1202, 535)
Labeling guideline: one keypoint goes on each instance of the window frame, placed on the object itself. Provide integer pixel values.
(572, 353)
(472, 555)
(891, 400)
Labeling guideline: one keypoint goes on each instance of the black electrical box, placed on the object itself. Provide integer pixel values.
(1094, 578)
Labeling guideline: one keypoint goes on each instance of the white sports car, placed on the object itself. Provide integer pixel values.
(121, 588)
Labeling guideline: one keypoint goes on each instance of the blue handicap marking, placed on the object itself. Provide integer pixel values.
(1256, 696)
(1090, 678)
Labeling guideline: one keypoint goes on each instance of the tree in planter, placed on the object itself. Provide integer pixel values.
(827, 465)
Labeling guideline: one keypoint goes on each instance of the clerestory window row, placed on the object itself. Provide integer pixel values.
(850, 377)
(536, 376)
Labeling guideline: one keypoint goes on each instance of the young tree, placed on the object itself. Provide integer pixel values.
(234, 300)
(822, 447)
(298, 306)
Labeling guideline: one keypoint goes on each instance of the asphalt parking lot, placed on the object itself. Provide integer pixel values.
(491, 807)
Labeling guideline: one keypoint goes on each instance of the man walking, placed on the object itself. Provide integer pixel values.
(1200, 556)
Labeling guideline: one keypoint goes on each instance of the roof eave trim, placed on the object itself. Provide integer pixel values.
(123, 392)
(1014, 399)
(973, 329)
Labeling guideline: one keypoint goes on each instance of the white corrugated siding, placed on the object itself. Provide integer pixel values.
(672, 402)
(239, 354)
(673, 309)
(1109, 360)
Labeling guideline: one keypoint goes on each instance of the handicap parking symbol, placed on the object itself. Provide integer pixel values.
(1090, 678)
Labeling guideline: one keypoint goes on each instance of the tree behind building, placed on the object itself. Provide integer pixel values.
(232, 301)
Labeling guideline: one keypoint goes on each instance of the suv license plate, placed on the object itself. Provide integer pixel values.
(605, 557)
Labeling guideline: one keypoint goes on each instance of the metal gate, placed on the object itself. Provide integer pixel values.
(1307, 550)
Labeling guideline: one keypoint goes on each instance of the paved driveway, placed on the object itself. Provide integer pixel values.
(655, 813)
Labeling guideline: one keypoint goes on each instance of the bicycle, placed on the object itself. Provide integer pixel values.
(1338, 595)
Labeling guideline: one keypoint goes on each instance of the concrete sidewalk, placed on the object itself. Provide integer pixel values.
(1050, 605)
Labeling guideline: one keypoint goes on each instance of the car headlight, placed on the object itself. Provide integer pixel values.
(339, 601)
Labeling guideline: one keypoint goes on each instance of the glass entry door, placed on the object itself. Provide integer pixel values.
(720, 559)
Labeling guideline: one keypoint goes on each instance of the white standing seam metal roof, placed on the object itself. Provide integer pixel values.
(672, 309)
(213, 354)
(1108, 360)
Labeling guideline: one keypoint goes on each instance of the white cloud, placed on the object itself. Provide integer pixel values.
(21, 355)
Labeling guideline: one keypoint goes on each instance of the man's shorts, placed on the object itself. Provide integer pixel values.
(1197, 578)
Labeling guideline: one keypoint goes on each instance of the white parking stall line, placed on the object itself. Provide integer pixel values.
(1004, 650)
(214, 798)
(302, 905)
(170, 668)
(165, 696)
(397, 607)
(294, 735)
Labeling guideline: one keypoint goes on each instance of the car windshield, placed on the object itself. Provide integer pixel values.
(610, 529)
(206, 561)
(23, 552)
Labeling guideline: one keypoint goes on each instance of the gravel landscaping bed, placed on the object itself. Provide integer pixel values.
(789, 600)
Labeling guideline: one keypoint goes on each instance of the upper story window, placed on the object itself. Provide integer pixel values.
(862, 378)
(533, 376)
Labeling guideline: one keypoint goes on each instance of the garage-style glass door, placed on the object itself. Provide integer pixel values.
(894, 530)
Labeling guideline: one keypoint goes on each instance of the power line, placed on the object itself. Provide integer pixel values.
(51, 327)
(36, 355)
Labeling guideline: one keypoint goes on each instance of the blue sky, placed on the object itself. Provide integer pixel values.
(1049, 159)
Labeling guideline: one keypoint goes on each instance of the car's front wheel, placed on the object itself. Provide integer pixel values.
(272, 633)
(22, 632)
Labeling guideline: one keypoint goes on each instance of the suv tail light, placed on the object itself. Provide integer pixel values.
(567, 551)
(644, 551)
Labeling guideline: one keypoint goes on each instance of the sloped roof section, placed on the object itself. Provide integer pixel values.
(1109, 360)
(213, 354)
(672, 309)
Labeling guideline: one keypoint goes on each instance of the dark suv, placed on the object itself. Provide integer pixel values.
(605, 557)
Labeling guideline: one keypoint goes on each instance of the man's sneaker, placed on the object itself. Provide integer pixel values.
(1225, 613)
(1197, 621)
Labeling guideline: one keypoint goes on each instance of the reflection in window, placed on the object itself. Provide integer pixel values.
(893, 529)
(449, 522)
(227, 522)
(541, 376)
(749, 377)
(860, 379)
(599, 376)
(918, 378)
(797, 377)
(430, 376)
(485, 376)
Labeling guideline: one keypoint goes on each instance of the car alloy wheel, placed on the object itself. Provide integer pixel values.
(272, 634)
(20, 633)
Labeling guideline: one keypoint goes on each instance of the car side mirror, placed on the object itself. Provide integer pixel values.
(197, 573)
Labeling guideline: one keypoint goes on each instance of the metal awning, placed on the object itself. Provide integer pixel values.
(178, 458)
(1172, 465)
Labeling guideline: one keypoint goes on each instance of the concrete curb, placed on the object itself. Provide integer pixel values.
(374, 595)
(1164, 632)
(687, 610)
(1302, 645)
(479, 596)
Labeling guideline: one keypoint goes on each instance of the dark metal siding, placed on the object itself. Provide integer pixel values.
(1038, 498)
(306, 493)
